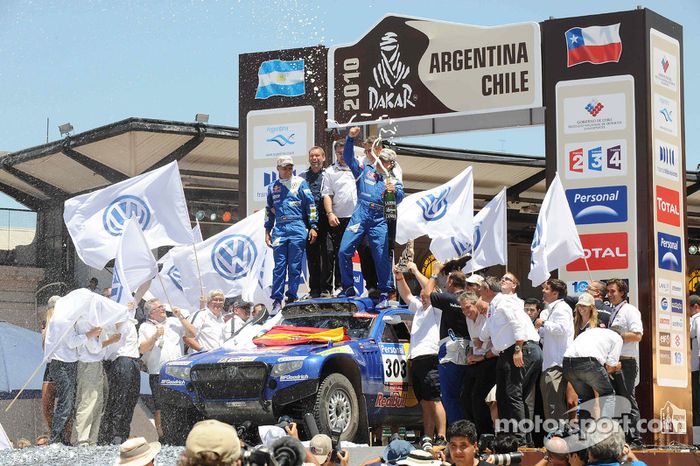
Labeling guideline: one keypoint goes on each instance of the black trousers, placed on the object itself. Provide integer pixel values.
(695, 387)
(478, 382)
(515, 388)
(124, 379)
(369, 271)
(318, 258)
(623, 383)
(336, 234)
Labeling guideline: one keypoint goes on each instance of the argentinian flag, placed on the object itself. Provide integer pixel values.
(279, 77)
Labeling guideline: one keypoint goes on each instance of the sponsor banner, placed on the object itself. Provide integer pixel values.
(667, 160)
(664, 69)
(665, 357)
(668, 207)
(677, 288)
(408, 67)
(664, 304)
(665, 115)
(596, 159)
(603, 251)
(272, 141)
(605, 204)
(594, 113)
(664, 322)
(677, 305)
(264, 176)
(669, 249)
(663, 286)
(665, 339)
(677, 323)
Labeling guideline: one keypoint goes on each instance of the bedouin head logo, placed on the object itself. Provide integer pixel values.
(434, 207)
(117, 287)
(389, 90)
(122, 209)
(174, 274)
(463, 247)
(233, 256)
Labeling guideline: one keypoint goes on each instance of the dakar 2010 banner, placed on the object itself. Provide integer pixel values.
(416, 68)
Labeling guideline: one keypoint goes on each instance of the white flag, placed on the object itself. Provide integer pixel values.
(95, 220)
(442, 212)
(134, 263)
(556, 241)
(490, 238)
(81, 303)
(197, 232)
(230, 261)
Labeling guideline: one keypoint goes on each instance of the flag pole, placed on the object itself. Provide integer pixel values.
(199, 272)
(590, 275)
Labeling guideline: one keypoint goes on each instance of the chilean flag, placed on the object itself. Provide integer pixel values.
(594, 44)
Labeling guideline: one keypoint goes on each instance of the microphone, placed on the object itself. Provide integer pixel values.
(288, 451)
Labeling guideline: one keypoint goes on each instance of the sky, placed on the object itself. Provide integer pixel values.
(92, 63)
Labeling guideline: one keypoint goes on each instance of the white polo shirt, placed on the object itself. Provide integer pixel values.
(233, 325)
(508, 323)
(557, 333)
(167, 347)
(339, 183)
(67, 348)
(91, 350)
(629, 319)
(425, 329)
(128, 344)
(476, 328)
(600, 343)
(210, 328)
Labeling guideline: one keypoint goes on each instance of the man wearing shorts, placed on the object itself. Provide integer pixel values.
(423, 353)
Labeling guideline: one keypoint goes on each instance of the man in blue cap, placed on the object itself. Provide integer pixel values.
(290, 219)
(368, 216)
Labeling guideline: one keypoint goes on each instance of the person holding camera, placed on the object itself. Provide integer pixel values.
(462, 446)
(321, 447)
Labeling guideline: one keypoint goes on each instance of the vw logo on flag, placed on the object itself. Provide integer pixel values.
(122, 209)
(434, 207)
(174, 274)
(117, 288)
(233, 256)
(462, 248)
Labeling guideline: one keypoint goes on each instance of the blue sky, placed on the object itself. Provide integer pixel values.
(95, 62)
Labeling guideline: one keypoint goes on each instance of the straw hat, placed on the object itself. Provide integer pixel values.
(137, 452)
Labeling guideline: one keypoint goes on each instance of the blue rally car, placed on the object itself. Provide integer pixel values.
(348, 386)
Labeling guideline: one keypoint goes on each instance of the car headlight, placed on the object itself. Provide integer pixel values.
(179, 372)
(286, 368)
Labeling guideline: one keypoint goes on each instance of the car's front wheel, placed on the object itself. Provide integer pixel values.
(336, 408)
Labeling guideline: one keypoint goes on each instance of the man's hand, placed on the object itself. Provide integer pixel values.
(333, 220)
(518, 359)
(354, 132)
(312, 236)
(539, 323)
(268, 239)
(94, 332)
(177, 313)
(473, 359)
(344, 457)
(292, 430)
(113, 339)
(412, 267)
(437, 267)
(613, 369)
(160, 330)
(390, 186)
(202, 302)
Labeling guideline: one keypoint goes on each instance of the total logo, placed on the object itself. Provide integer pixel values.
(668, 206)
(669, 256)
(603, 251)
(606, 204)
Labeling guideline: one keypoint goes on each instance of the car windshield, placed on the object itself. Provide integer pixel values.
(357, 326)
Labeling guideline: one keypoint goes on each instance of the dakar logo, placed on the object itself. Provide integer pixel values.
(233, 256)
(390, 91)
(122, 209)
(175, 277)
(434, 207)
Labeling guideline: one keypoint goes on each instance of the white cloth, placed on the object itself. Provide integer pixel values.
(128, 344)
(508, 323)
(66, 349)
(425, 329)
(556, 333)
(167, 347)
(95, 220)
(629, 319)
(600, 343)
(91, 350)
(134, 263)
(556, 241)
(445, 211)
(210, 329)
(476, 328)
(694, 347)
(233, 325)
(339, 183)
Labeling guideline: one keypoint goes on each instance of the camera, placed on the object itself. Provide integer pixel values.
(335, 444)
(284, 422)
(499, 449)
(259, 456)
(248, 433)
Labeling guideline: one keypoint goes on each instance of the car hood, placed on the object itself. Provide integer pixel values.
(269, 354)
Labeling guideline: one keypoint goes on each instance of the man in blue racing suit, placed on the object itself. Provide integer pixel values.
(290, 218)
(368, 216)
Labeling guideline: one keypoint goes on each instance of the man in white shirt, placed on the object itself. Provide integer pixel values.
(520, 358)
(209, 324)
(482, 362)
(63, 370)
(160, 341)
(556, 333)
(423, 353)
(694, 311)
(339, 199)
(627, 321)
(238, 319)
(587, 362)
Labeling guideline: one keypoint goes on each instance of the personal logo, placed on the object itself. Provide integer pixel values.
(434, 207)
(123, 208)
(676, 306)
(117, 288)
(281, 140)
(594, 107)
(389, 90)
(233, 256)
(603, 251)
(606, 204)
(668, 206)
(173, 274)
(669, 248)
